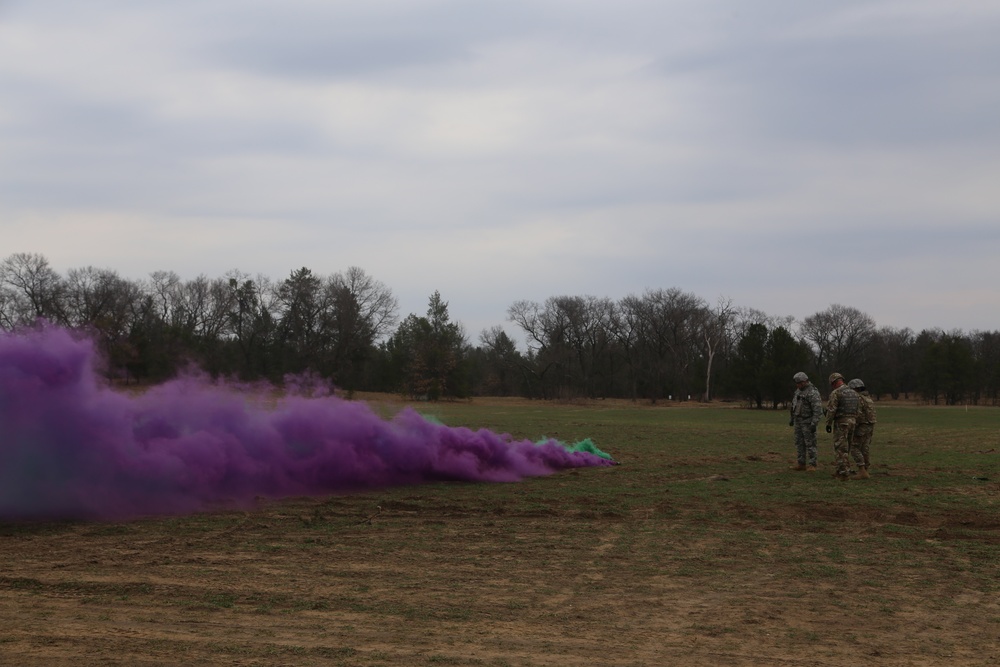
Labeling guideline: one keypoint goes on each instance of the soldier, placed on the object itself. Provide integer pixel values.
(807, 409)
(841, 418)
(862, 440)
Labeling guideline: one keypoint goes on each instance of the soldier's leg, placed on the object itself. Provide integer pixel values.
(856, 454)
(800, 443)
(841, 448)
(866, 443)
(857, 451)
(812, 450)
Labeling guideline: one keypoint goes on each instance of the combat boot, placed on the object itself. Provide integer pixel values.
(810, 468)
(800, 466)
(863, 472)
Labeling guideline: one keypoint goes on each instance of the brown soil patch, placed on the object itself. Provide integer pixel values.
(422, 580)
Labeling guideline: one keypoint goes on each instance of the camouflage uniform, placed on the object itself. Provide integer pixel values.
(862, 440)
(807, 409)
(841, 415)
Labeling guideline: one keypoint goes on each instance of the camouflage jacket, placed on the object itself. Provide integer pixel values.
(807, 406)
(843, 402)
(866, 408)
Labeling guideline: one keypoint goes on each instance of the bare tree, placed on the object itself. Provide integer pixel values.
(9, 316)
(90, 294)
(526, 314)
(545, 340)
(667, 338)
(570, 337)
(32, 289)
(204, 304)
(840, 336)
(376, 306)
(358, 311)
(716, 334)
(744, 317)
(890, 368)
(251, 320)
(624, 330)
(163, 289)
(106, 304)
(584, 323)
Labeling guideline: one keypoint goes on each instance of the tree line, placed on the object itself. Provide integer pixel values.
(663, 345)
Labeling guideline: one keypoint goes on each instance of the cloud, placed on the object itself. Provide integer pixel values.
(500, 151)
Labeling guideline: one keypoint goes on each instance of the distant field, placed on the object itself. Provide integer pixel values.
(701, 548)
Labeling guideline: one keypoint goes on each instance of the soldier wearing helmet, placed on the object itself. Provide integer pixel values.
(862, 439)
(807, 409)
(841, 419)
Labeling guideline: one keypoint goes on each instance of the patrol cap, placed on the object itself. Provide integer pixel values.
(835, 376)
(800, 377)
(857, 384)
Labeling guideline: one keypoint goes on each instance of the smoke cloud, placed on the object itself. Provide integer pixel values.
(71, 447)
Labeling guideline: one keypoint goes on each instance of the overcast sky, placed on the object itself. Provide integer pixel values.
(787, 155)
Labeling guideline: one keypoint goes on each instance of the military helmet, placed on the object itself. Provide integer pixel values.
(835, 376)
(857, 384)
(800, 377)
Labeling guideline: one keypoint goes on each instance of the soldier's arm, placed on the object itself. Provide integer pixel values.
(817, 408)
(831, 408)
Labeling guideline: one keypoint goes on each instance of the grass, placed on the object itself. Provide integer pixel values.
(701, 541)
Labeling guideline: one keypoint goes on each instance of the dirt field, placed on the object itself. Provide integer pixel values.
(552, 571)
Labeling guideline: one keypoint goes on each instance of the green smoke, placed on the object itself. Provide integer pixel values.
(585, 445)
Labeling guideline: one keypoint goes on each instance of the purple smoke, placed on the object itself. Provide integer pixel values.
(71, 447)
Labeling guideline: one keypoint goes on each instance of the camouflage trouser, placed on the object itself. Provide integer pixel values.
(861, 444)
(805, 442)
(843, 432)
